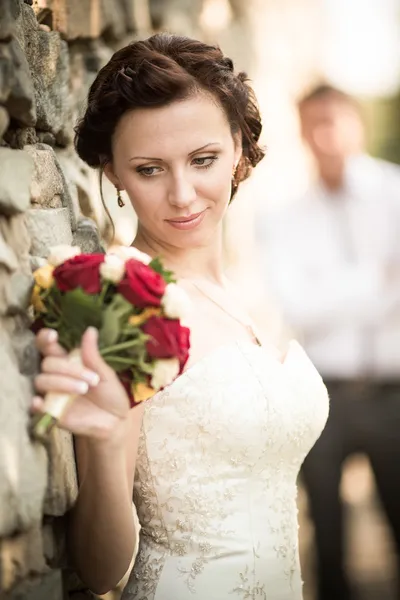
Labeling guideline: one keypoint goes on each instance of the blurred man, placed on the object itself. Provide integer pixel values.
(334, 263)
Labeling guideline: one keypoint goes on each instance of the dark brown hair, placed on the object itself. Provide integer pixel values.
(325, 91)
(156, 72)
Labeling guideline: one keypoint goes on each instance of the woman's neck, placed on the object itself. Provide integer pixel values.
(203, 262)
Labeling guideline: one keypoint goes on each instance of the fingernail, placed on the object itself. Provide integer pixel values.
(93, 330)
(91, 377)
(36, 402)
(52, 335)
(82, 387)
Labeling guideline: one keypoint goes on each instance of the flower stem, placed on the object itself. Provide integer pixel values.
(42, 426)
(103, 292)
(122, 346)
(120, 359)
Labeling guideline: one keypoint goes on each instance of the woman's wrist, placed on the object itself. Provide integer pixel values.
(114, 440)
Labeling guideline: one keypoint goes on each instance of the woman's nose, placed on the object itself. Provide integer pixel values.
(182, 192)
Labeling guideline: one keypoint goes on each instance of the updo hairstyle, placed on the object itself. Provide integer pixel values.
(156, 72)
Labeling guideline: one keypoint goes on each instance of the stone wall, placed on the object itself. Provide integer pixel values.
(50, 51)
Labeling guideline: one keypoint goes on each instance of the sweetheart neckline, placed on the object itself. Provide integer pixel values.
(235, 344)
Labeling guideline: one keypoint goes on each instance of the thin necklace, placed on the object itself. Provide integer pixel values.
(248, 326)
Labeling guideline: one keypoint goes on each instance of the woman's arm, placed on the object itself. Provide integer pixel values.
(101, 531)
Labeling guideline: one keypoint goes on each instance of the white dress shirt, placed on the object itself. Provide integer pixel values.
(333, 261)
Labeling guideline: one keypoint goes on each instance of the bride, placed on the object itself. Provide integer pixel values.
(212, 460)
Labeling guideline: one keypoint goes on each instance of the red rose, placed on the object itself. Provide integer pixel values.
(80, 271)
(168, 339)
(141, 285)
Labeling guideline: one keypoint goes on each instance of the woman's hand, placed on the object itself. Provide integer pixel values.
(101, 406)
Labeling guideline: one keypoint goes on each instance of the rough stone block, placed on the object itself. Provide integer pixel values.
(87, 183)
(16, 86)
(47, 56)
(46, 587)
(51, 187)
(21, 100)
(7, 75)
(20, 556)
(19, 291)
(55, 541)
(23, 464)
(15, 235)
(137, 15)
(48, 227)
(4, 121)
(8, 258)
(87, 237)
(62, 489)
(17, 170)
(45, 137)
(47, 184)
(19, 137)
(86, 19)
(8, 11)
(114, 19)
(24, 347)
(36, 262)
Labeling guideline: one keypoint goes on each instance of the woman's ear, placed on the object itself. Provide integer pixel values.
(111, 176)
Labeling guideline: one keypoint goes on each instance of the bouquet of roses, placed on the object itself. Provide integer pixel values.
(133, 302)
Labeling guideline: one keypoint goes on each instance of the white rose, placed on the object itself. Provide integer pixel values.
(61, 253)
(112, 269)
(175, 302)
(127, 252)
(165, 371)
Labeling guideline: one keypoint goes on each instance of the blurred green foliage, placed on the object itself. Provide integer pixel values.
(382, 117)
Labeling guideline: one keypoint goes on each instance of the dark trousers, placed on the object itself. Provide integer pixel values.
(364, 417)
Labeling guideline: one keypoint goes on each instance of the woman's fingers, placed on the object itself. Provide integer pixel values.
(47, 343)
(91, 357)
(64, 366)
(78, 417)
(37, 404)
(46, 382)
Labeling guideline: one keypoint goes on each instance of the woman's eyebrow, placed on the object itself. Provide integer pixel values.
(190, 153)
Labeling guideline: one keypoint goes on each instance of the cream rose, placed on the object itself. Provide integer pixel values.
(127, 252)
(164, 373)
(61, 253)
(175, 302)
(113, 268)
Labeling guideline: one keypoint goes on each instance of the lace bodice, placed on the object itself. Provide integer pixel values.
(215, 487)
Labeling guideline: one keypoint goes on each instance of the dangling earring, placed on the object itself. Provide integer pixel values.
(121, 203)
(233, 183)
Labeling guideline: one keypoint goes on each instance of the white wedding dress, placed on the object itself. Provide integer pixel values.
(215, 487)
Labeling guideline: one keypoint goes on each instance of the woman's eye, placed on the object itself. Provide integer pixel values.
(148, 171)
(204, 161)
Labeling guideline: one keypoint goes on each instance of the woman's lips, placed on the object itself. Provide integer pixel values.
(186, 223)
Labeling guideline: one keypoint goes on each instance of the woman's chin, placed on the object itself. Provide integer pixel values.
(192, 239)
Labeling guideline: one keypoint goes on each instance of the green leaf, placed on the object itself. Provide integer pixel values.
(114, 318)
(157, 266)
(79, 311)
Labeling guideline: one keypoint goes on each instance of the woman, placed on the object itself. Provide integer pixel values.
(212, 459)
